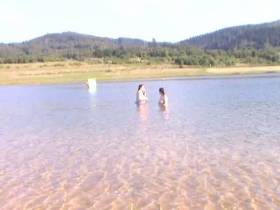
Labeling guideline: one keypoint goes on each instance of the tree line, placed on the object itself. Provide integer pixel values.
(173, 54)
(260, 44)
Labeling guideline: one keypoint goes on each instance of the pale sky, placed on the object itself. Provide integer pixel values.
(164, 20)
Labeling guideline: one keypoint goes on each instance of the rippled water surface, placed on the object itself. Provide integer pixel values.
(217, 146)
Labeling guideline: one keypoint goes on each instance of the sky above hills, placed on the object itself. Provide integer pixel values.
(164, 20)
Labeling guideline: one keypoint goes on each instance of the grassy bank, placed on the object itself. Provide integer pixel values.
(67, 72)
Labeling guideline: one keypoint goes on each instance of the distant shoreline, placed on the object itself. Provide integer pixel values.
(202, 77)
(79, 72)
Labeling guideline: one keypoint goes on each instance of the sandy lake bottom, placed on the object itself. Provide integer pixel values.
(217, 146)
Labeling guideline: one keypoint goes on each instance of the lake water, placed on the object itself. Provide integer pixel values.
(217, 146)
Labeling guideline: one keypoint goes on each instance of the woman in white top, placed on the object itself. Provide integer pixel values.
(163, 99)
(141, 96)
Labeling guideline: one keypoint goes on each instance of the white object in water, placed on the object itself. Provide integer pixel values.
(92, 85)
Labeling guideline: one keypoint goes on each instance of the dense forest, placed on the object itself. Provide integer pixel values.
(250, 44)
(259, 36)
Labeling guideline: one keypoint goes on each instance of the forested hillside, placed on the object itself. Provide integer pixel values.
(259, 36)
(250, 44)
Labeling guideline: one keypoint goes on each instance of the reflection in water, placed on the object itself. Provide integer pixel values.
(62, 148)
(143, 110)
(165, 111)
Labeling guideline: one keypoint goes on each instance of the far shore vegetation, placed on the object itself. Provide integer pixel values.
(77, 71)
(72, 57)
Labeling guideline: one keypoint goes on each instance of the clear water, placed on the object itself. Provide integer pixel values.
(217, 146)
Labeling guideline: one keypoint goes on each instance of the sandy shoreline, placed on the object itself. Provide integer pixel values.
(77, 72)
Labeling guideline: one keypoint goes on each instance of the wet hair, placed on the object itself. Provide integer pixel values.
(140, 86)
(161, 90)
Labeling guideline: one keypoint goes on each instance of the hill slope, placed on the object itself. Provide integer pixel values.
(257, 36)
(76, 40)
(252, 44)
(61, 44)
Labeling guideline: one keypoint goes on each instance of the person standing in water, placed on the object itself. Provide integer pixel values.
(163, 99)
(141, 96)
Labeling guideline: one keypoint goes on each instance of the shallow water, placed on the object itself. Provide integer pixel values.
(217, 146)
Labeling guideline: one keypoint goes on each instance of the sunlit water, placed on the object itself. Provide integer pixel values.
(217, 146)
